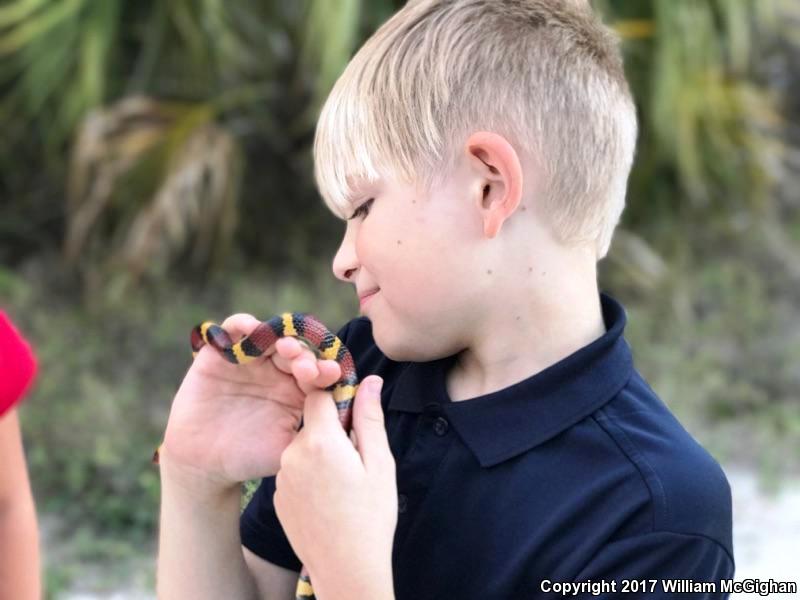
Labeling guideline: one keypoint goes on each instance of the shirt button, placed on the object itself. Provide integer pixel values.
(402, 503)
(440, 426)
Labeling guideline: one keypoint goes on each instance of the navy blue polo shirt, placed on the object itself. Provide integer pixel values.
(579, 473)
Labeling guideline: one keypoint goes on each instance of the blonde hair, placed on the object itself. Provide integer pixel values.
(545, 74)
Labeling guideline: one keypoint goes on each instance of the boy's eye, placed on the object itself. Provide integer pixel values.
(364, 208)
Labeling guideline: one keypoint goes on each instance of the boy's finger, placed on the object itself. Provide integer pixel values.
(295, 358)
(329, 373)
(289, 347)
(304, 369)
(289, 350)
(239, 325)
(320, 414)
(369, 424)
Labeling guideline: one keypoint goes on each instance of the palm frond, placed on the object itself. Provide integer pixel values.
(109, 143)
(328, 40)
(151, 180)
(59, 54)
(35, 25)
(18, 11)
(708, 132)
(197, 200)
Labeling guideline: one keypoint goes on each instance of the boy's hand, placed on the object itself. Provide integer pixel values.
(338, 503)
(230, 423)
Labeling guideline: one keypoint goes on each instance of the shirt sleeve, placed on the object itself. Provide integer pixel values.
(665, 562)
(17, 365)
(261, 531)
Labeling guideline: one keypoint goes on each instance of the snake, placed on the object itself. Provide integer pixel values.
(311, 332)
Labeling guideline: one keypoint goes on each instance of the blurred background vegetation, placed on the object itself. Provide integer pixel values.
(155, 171)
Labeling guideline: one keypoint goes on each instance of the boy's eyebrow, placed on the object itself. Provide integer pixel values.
(358, 185)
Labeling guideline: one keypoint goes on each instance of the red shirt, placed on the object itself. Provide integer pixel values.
(17, 365)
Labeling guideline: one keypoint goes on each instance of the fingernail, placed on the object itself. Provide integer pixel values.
(374, 385)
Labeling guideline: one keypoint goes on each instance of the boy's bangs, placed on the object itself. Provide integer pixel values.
(350, 152)
(364, 136)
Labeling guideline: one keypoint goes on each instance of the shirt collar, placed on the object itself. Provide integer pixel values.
(505, 423)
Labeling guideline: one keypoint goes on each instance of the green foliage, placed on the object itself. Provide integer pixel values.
(248, 489)
(57, 580)
(709, 133)
(260, 71)
(151, 183)
(718, 342)
(60, 56)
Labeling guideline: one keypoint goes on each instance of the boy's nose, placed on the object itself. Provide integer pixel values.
(343, 270)
(345, 262)
(344, 273)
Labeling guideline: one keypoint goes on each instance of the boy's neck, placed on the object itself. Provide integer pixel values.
(535, 336)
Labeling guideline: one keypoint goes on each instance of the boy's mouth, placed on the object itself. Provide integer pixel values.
(365, 297)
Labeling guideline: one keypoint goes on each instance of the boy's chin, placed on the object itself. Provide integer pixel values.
(402, 353)
(394, 354)
(394, 351)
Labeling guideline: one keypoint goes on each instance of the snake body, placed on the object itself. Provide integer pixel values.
(310, 331)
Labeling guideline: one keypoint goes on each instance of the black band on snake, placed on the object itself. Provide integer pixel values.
(324, 344)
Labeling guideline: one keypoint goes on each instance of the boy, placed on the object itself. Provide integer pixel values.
(479, 151)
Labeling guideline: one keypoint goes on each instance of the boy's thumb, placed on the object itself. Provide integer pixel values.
(368, 423)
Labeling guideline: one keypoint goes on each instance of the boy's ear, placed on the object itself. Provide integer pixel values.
(502, 190)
